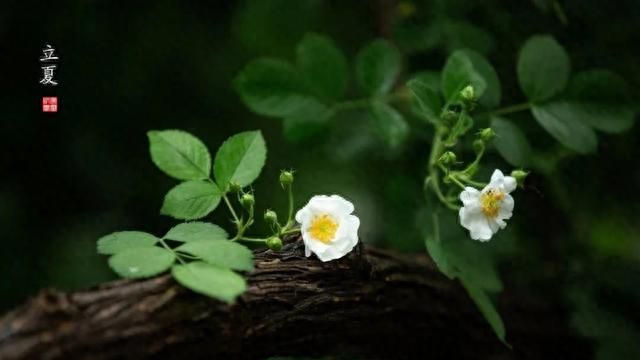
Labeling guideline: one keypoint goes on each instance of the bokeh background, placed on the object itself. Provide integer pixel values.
(127, 67)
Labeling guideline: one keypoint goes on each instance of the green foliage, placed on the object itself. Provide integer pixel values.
(427, 99)
(600, 99)
(141, 262)
(220, 253)
(240, 159)
(543, 68)
(389, 123)
(123, 240)
(179, 154)
(196, 231)
(191, 200)
(466, 67)
(377, 67)
(323, 66)
(511, 142)
(559, 119)
(207, 257)
(210, 280)
(272, 87)
(470, 262)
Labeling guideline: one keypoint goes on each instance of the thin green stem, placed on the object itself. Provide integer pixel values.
(456, 181)
(251, 239)
(290, 231)
(231, 209)
(290, 217)
(178, 256)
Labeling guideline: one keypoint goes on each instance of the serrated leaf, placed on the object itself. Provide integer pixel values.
(487, 308)
(426, 99)
(600, 99)
(196, 231)
(389, 123)
(191, 200)
(377, 67)
(225, 254)
(467, 67)
(179, 154)
(272, 87)
(511, 142)
(210, 280)
(141, 262)
(323, 66)
(309, 121)
(240, 159)
(543, 68)
(458, 72)
(123, 240)
(560, 120)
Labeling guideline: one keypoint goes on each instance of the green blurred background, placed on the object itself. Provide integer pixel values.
(128, 67)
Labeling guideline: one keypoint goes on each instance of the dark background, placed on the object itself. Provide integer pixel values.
(130, 66)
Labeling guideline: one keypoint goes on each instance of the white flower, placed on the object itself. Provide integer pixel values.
(328, 228)
(484, 212)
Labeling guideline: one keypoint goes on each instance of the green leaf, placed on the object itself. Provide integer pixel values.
(123, 240)
(306, 123)
(487, 308)
(561, 121)
(225, 254)
(377, 67)
(467, 67)
(210, 280)
(389, 123)
(323, 65)
(427, 100)
(179, 154)
(600, 98)
(543, 68)
(511, 142)
(141, 262)
(272, 87)
(196, 231)
(439, 256)
(462, 34)
(191, 200)
(240, 159)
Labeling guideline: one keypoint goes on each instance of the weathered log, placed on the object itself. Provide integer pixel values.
(371, 304)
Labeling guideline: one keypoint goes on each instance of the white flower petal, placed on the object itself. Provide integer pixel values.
(506, 208)
(497, 176)
(469, 195)
(510, 184)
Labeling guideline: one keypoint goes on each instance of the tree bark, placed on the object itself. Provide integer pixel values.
(372, 304)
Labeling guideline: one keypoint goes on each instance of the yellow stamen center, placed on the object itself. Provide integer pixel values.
(490, 202)
(323, 228)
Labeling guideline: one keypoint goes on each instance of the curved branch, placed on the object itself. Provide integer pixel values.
(372, 303)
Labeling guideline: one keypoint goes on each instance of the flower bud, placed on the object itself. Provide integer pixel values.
(520, 176)
(468, 93)
(449, 117)
(487, 134)
(247, 200)
(286, 178)
(234, 187)
(274, 243)
(447, 159)
(270, 217)
(478, 146)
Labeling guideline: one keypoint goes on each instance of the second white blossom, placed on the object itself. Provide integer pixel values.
(484, 212)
